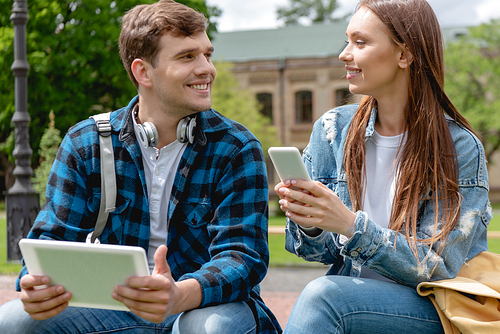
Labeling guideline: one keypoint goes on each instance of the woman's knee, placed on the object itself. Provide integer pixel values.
(322, 288)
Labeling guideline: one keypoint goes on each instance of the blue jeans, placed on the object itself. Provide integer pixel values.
(340, 304)
(229, 318)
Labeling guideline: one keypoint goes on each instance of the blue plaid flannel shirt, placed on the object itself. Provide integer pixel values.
(218, 211)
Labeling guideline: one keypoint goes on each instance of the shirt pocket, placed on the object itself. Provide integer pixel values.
(196, 215)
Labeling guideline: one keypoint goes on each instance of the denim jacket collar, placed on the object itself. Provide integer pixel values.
(370, 128)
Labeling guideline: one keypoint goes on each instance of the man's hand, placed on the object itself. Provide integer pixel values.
(156, 297)
(42, 303)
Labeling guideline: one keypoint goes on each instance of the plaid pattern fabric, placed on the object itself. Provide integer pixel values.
(217, 217)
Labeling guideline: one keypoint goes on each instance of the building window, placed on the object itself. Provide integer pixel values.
(303, 107)
(266, 104)
(343, 96)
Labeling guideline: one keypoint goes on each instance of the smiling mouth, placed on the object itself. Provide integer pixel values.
(199, 87)
(353, 72)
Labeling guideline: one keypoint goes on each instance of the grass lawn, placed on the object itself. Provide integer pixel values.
(279, 256)
(277, 241)
(277, 221)
(5, 267)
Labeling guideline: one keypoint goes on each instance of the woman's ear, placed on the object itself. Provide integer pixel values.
(140, 70)
(405, 58)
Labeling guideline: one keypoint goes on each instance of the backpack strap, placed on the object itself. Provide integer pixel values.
(108, 175)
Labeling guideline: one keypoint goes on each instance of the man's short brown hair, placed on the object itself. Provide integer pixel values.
(144, 25)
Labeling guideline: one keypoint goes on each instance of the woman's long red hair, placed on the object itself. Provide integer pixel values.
(427, 168)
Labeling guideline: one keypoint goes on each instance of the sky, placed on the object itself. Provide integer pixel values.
(261, 14)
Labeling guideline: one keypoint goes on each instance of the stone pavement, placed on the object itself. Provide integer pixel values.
(280, 288)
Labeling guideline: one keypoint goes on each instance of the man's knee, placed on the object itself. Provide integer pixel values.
(225, 318)
(14, 319)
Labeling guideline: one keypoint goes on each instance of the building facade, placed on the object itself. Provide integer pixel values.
(294, 72)
(296, 75)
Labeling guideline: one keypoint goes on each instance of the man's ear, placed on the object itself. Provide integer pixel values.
(140, 70)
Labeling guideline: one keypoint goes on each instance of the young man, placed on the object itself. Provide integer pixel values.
(194, 196)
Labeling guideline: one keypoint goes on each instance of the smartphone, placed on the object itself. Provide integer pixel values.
(288, 163)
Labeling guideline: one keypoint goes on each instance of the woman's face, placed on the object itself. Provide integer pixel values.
(374, 64)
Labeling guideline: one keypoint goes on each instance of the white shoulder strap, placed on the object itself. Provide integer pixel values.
(108, 175)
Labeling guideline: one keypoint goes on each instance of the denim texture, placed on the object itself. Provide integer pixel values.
(372, 246)
(340, 304)
(211, 320)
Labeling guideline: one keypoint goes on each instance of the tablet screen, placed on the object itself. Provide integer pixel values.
(89, 271)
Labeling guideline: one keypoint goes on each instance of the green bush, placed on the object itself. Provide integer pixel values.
(49, 144)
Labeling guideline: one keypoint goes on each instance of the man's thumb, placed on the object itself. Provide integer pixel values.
(161, 265)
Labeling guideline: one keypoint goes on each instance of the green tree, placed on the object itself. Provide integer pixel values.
(312, 11)
(76, 71)
(239, 104)
(472, 81)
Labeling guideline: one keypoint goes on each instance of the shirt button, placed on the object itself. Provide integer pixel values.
(155, 189)
(354, 253)
(157, 172)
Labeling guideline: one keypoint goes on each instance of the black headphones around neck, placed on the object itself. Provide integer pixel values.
(148, 135)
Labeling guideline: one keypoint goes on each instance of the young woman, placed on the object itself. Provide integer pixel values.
(400, 190)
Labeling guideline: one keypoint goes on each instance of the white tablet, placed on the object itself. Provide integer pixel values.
(288, 163)
(89, 271)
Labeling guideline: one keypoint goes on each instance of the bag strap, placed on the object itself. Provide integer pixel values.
(108, 175)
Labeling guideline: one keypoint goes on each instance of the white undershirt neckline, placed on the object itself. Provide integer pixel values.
(160, 167)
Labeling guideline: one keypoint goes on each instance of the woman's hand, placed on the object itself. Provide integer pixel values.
(310, 203)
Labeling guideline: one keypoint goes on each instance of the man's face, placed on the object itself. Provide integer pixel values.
(184, 74)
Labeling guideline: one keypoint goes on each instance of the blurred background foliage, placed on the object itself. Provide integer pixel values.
(76, 71)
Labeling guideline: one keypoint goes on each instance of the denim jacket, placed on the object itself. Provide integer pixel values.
(372, 246)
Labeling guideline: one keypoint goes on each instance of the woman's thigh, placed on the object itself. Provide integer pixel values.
(339, 304)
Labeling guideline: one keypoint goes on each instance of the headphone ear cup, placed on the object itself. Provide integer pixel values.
(152, 132)
(190, 130)
(181, 130)
(147, 133)
(141, 135)
(185, 130)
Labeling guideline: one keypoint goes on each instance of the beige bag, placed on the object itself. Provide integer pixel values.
(469, 303)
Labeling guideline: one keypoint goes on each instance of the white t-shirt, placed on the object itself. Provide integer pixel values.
(381, 178)
(380, 162)
(160, 166)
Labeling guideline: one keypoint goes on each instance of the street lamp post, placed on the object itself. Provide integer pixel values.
(22, 200)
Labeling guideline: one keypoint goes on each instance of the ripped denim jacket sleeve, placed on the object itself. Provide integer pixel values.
(386, 251)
